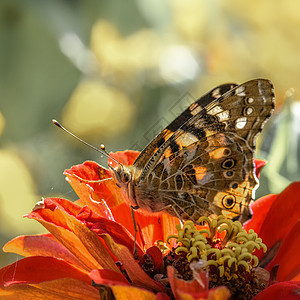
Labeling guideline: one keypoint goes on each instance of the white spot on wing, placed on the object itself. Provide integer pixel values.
(241, 123)
(215, 110)
(196, 110)
(186, 139)
(223, 116)
(249, 110)
(240, 91)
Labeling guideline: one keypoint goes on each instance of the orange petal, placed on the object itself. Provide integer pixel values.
(83, 243)
(40, 245)
(66, 288)
(288, 290)
(152, 227)
(37, 269)
(129, 292)
(288, 257)
(219, 293)
(136, 274)
(126, 158)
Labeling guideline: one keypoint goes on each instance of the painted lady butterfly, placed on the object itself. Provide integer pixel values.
(202, 163)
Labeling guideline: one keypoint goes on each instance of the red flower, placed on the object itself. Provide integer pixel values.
(92, 239)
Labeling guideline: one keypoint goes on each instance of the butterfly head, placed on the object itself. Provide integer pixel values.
(125, 178)
(122, 175)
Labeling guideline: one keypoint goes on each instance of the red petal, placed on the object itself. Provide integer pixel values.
(66, 288)
(288, 256)
(187, 290)
(288, 290)
(108, 277)
(40, 245)
(37, 269)
(191, 287)
(126, 158)
(259, 164)
(157, 257)
(260, 209)
(282, 216)
(134, 271)
(83, 243)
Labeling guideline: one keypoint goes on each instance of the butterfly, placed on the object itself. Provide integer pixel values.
(202, 164)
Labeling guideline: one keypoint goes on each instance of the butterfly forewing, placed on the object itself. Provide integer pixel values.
(157, 142)
(202, 163)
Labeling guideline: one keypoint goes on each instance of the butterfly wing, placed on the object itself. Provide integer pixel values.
(206, 166)
(203, 101)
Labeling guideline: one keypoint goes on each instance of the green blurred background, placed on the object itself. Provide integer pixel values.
(116, 72)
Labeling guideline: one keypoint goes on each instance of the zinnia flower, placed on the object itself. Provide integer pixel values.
(88, 252)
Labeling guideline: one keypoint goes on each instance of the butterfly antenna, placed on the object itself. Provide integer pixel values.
(102, 150)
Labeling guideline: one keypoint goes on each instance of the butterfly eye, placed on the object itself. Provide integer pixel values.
(228, 202)
(125, 177)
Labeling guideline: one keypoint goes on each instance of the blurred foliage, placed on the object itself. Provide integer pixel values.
(116, 72)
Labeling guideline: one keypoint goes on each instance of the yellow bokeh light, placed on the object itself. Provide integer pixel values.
(2, 123)
(98, 110)
(17, 195)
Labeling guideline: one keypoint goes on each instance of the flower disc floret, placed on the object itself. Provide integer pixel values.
(225, 246)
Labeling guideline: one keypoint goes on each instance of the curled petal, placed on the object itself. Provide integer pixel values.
(156, 256)
(92, 191)
(259, 164)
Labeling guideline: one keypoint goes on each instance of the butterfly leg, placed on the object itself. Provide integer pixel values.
(177, 214)
(132, 208)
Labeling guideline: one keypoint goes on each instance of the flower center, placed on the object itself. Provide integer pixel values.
(223, 249)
